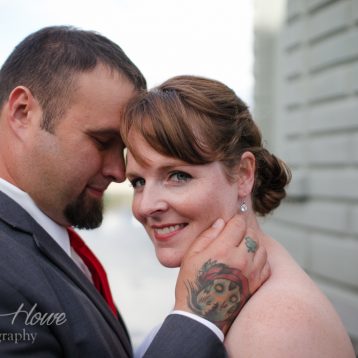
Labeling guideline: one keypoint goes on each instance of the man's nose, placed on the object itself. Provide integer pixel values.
(114, 166)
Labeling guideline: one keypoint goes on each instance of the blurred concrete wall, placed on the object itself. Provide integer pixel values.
(306, 102)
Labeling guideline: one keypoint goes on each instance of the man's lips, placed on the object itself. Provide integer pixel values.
(96, 191)
(164, 232)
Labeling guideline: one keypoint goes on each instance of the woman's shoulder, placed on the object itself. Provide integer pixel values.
(287, 316)
(280, 303)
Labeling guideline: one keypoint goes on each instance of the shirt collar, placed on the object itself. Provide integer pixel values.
(56, 231)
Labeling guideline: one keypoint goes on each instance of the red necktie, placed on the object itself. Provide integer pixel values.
(98, 273)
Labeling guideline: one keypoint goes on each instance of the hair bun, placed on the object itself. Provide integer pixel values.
(272, 176)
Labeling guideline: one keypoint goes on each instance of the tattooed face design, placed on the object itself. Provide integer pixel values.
(219, 299)
(218, 293)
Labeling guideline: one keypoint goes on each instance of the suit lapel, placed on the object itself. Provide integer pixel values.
(19, 219)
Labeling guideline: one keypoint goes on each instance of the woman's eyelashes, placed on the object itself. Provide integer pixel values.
(137, 182)
(176, 177)
(179, 177)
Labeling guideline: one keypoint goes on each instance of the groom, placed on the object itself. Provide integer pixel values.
(62, 94)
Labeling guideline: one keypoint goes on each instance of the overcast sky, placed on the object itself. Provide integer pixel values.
(163, 37)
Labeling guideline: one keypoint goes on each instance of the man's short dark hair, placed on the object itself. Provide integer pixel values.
(47, 61)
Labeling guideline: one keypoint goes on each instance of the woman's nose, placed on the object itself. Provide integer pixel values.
(151, 201)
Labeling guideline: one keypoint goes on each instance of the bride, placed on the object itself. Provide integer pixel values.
(195, 154)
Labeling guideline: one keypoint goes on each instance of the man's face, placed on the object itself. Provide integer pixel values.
(68, 171)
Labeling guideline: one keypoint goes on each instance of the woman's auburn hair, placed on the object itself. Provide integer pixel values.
(199, 121)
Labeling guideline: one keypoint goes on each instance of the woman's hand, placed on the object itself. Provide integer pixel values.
(225, 265)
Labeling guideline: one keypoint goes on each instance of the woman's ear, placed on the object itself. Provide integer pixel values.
(246, 174)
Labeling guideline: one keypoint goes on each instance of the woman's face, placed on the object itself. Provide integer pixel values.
(176, 201)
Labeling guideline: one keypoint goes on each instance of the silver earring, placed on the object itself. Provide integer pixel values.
(243, 207)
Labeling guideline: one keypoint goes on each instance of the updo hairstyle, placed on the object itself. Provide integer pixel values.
(199, 121)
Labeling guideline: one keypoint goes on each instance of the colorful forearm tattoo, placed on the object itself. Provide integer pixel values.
(218, 293)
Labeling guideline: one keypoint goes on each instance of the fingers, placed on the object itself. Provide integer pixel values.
(253, 260)
(207, 236)
(260, 270)
(232, 254)
(265, 273)
(246, 250)
(250, 244)
(232, 234)
(260, 258)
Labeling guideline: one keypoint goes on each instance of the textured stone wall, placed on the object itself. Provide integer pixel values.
(306, 102)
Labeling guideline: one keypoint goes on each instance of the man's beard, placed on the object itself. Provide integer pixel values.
(84, 212)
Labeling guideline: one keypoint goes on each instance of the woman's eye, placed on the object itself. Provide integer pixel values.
(137, 182)
(180, 177)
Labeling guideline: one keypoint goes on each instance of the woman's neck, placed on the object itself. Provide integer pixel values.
(253, 223)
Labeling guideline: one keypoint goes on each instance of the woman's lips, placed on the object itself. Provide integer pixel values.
(164, 232)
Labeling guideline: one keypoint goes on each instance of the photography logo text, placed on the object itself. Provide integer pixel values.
(28, 318)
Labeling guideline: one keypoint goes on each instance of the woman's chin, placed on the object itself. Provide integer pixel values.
(170, 261)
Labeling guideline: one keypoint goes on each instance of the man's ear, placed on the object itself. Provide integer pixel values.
(21, 109)
(246, 174)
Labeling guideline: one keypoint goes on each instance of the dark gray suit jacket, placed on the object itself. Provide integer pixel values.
(37, 279)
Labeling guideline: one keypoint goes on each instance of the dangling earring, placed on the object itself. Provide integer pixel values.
(243, 207)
